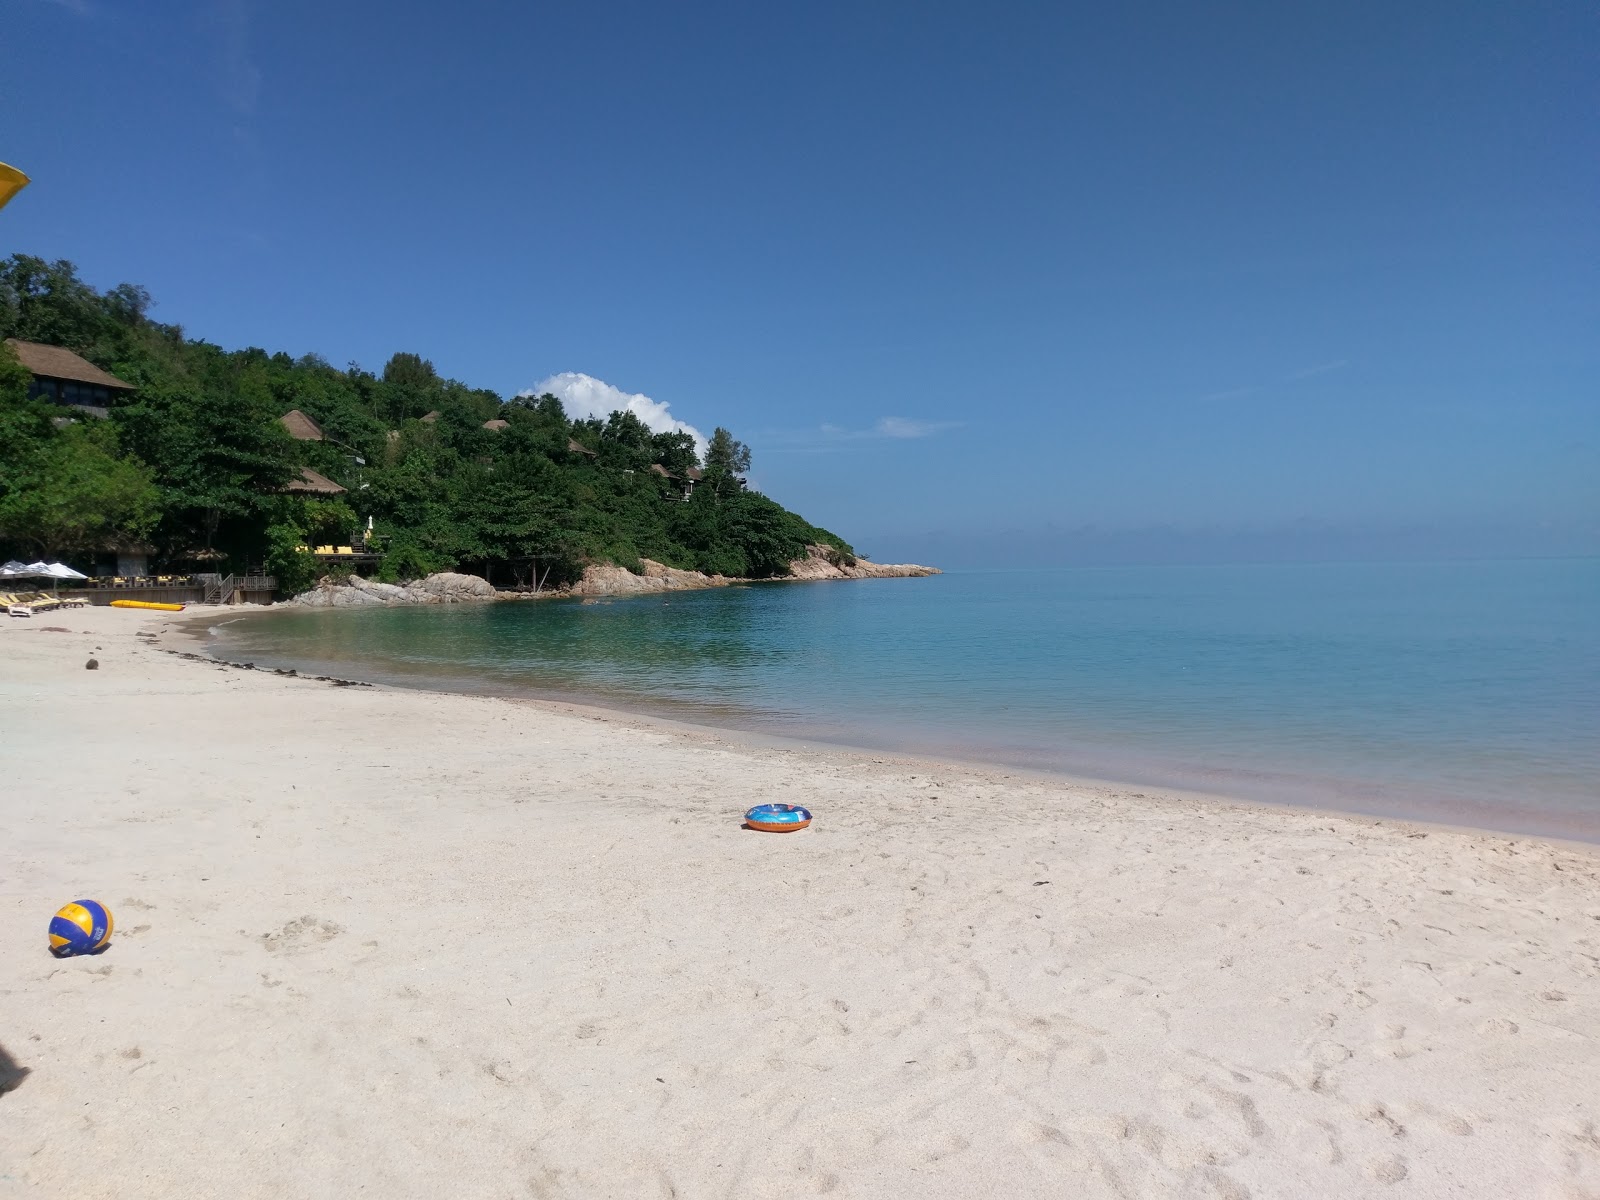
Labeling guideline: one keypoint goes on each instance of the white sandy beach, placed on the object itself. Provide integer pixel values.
(398, 944)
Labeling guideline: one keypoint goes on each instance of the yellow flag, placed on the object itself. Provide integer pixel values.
(12, 181)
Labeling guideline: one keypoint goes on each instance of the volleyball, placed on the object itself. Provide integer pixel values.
(82, 927)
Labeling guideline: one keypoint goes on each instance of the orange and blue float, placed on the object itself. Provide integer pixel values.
(82, 927)
(778, 818)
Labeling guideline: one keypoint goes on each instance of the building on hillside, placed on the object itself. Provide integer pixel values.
(301, 427)
(63, 378)
(311, 483)
(684, 484)
(574, 446)
(497, 424)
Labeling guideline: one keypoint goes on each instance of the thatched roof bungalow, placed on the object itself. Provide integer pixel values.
(312, 483)
(62, 377)
(301, 427)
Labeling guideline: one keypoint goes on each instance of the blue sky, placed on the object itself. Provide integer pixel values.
(1148, 280)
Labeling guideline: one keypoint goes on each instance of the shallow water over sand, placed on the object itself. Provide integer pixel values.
(1461, 692)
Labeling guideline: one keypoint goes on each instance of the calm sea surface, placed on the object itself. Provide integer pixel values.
(1464, 692)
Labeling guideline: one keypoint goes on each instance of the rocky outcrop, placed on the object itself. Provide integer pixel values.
(820, 562)
(446, 587)
(608, 579)
(599, 579)
(824, 562)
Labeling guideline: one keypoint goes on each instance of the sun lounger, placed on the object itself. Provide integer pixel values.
(27, 603)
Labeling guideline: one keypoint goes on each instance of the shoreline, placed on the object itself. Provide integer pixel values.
(196, 631)
(538, 942)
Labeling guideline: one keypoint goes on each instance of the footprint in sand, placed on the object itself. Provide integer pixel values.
(300, 935)
(1391, 1168)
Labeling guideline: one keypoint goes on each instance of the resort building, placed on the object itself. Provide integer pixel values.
(312, 483)
(301, 427)
(684, 483)
(64, 378)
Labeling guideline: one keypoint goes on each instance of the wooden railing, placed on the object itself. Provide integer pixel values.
(218, 589)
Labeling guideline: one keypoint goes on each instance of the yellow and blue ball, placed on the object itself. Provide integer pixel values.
(82, 927)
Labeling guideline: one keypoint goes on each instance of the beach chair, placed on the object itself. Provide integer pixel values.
(346, 550)
(25, 604)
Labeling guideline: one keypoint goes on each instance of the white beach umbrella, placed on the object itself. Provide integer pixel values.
(55, 572)
(39, 570)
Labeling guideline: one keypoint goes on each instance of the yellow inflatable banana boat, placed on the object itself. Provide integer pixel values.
(147, 604)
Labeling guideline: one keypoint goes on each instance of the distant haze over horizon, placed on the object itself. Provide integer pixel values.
(978, 286)
(1305, 542)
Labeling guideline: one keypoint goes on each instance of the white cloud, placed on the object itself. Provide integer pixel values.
(909, 427)
(821, 438)
(1319, 369)
(883, 427)
(584, 396)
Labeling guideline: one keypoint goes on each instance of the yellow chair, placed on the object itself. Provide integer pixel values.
(324, 549)
(346, 550)
(31, 602)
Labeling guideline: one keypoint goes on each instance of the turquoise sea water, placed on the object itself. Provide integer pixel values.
(1463, 692)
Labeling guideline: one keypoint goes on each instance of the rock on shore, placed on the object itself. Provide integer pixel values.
(820, 562)
(446, 587)
(599, 579)
(824, 562)
(608, 579)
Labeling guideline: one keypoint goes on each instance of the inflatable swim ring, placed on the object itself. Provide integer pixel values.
(147, 604)
(778, 818)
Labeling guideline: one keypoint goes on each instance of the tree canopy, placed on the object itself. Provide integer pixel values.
(196, 459)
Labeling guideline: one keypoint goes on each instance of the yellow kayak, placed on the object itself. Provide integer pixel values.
(147, 604)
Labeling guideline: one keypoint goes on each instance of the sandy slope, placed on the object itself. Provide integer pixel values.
(394, 944)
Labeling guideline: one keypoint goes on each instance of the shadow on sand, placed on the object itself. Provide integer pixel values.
(11, 1075)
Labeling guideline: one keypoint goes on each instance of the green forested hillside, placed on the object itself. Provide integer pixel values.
(196, 458)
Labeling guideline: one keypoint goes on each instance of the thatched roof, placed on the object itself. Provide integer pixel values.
(429, 418)
(56, 362)
(311, 483)
(301, 427)
(577, 447)
(691, 473)
(497, 423)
